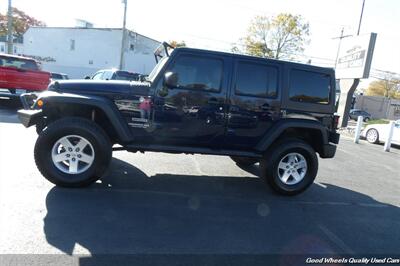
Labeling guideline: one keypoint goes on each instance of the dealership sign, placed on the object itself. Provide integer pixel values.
(355, 57)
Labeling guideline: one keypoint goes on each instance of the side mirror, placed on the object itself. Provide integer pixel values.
(171, 80)
(87, 77)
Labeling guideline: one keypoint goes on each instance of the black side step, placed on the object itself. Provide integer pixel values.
(185, 149)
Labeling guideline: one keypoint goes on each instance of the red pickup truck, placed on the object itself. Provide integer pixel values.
(19, 75)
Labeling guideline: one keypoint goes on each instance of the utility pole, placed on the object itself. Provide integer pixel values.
(359, 23)
(340, 42)
(121, 60)
(9, 30)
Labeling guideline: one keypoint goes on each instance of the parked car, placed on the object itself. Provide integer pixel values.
(115, 74)
(378, 133)
(355, 113)
(58, 76)
(19, 75)
(252, 109)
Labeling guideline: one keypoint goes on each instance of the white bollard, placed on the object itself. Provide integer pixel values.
(388, 141)
(358, 129)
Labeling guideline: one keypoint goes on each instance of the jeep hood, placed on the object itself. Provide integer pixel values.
(108, 88)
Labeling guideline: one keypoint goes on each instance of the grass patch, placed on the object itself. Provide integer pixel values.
(377, 121)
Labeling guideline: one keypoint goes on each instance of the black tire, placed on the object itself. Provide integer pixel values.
(366, 119)
(374, 132)
(73, 126)
(244, 161)
(269, 166)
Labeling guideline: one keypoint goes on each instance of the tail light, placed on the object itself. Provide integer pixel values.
(335, 121)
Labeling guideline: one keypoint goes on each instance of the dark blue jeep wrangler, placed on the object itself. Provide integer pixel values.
(277, 113)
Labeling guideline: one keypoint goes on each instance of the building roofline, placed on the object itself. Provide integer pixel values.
(17, 56)
(92, 28)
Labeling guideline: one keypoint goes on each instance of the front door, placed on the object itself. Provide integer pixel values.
(193, 113)
(254, 102)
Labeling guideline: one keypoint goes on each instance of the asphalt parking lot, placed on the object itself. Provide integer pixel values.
(195, 204)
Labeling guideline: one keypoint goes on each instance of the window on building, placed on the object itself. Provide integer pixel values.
(256, 80)
(309, 87)
(2, 48)
(131, 47)
(72, 45)
(15, 49)
(199, 73)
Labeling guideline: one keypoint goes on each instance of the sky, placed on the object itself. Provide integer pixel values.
(217, 24)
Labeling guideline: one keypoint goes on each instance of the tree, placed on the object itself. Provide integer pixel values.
(278, 37)
(21, 22)
(386, 87)
(177, 44)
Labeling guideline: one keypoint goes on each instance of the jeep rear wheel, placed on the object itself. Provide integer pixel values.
(244, 161)
(290, 167)
(73, 152)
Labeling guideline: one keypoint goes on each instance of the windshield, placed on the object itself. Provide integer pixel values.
(157, 68)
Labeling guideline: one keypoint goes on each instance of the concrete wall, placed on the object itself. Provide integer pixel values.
(379, 107)
(82, 51)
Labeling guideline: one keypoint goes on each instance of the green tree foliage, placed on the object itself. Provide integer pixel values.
(21, 22)
(387, 88)
(177, 44)
(276, 37)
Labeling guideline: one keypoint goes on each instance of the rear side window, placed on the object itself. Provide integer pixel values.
(107, 75)
(56, 76)
(18, 63)
(98, 75)
(199, 73)
(309, 87)
(256, 80)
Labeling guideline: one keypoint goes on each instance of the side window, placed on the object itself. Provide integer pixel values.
(107, 75)
(98, 75)
(198, 73)
(309, 87)
(256, 80)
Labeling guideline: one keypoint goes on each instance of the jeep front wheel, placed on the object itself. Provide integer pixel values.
(290, 167)
(73, 152)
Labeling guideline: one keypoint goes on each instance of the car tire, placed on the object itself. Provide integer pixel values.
(61, 161)
(282, 162)
(244, 161)
(366, 119)
(372, 136)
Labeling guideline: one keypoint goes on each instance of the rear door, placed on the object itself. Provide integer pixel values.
(254, 102)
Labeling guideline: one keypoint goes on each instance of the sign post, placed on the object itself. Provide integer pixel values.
(388, 141)
(353, 64)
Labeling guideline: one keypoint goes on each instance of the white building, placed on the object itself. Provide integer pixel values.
(83, 51)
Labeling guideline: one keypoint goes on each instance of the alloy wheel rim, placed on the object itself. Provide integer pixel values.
(292, 168)
(72, 154)
(371, 136)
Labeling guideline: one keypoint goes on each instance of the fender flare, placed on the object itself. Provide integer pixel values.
(276, 130)
(102, 103)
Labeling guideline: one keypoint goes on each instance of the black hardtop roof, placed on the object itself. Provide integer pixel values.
(254, 58)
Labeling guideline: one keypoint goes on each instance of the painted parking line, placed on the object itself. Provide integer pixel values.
(320, 184)
(336, 240)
